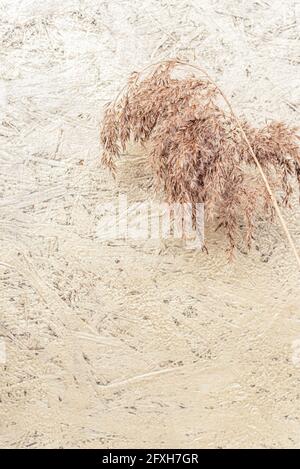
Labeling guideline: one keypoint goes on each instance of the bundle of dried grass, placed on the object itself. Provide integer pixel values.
(200, 153)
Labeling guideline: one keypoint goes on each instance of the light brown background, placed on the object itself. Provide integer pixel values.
(137, 344)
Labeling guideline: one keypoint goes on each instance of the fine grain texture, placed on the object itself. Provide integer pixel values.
(137, 343)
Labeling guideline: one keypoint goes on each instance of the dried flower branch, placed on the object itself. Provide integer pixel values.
(200, 153)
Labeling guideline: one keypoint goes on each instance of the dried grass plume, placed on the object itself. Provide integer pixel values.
(201, 152)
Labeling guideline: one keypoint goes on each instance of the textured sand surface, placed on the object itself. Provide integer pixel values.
(137, 344)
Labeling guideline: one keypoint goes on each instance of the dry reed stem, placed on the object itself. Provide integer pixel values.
(198, 151)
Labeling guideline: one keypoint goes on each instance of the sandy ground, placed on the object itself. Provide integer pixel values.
(136, 344)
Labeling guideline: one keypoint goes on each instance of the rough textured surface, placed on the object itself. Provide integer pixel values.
(136, 344)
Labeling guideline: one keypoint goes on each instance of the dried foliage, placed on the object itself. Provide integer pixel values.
(199, 152)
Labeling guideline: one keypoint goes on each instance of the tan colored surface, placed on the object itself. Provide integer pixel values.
(136, 344)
